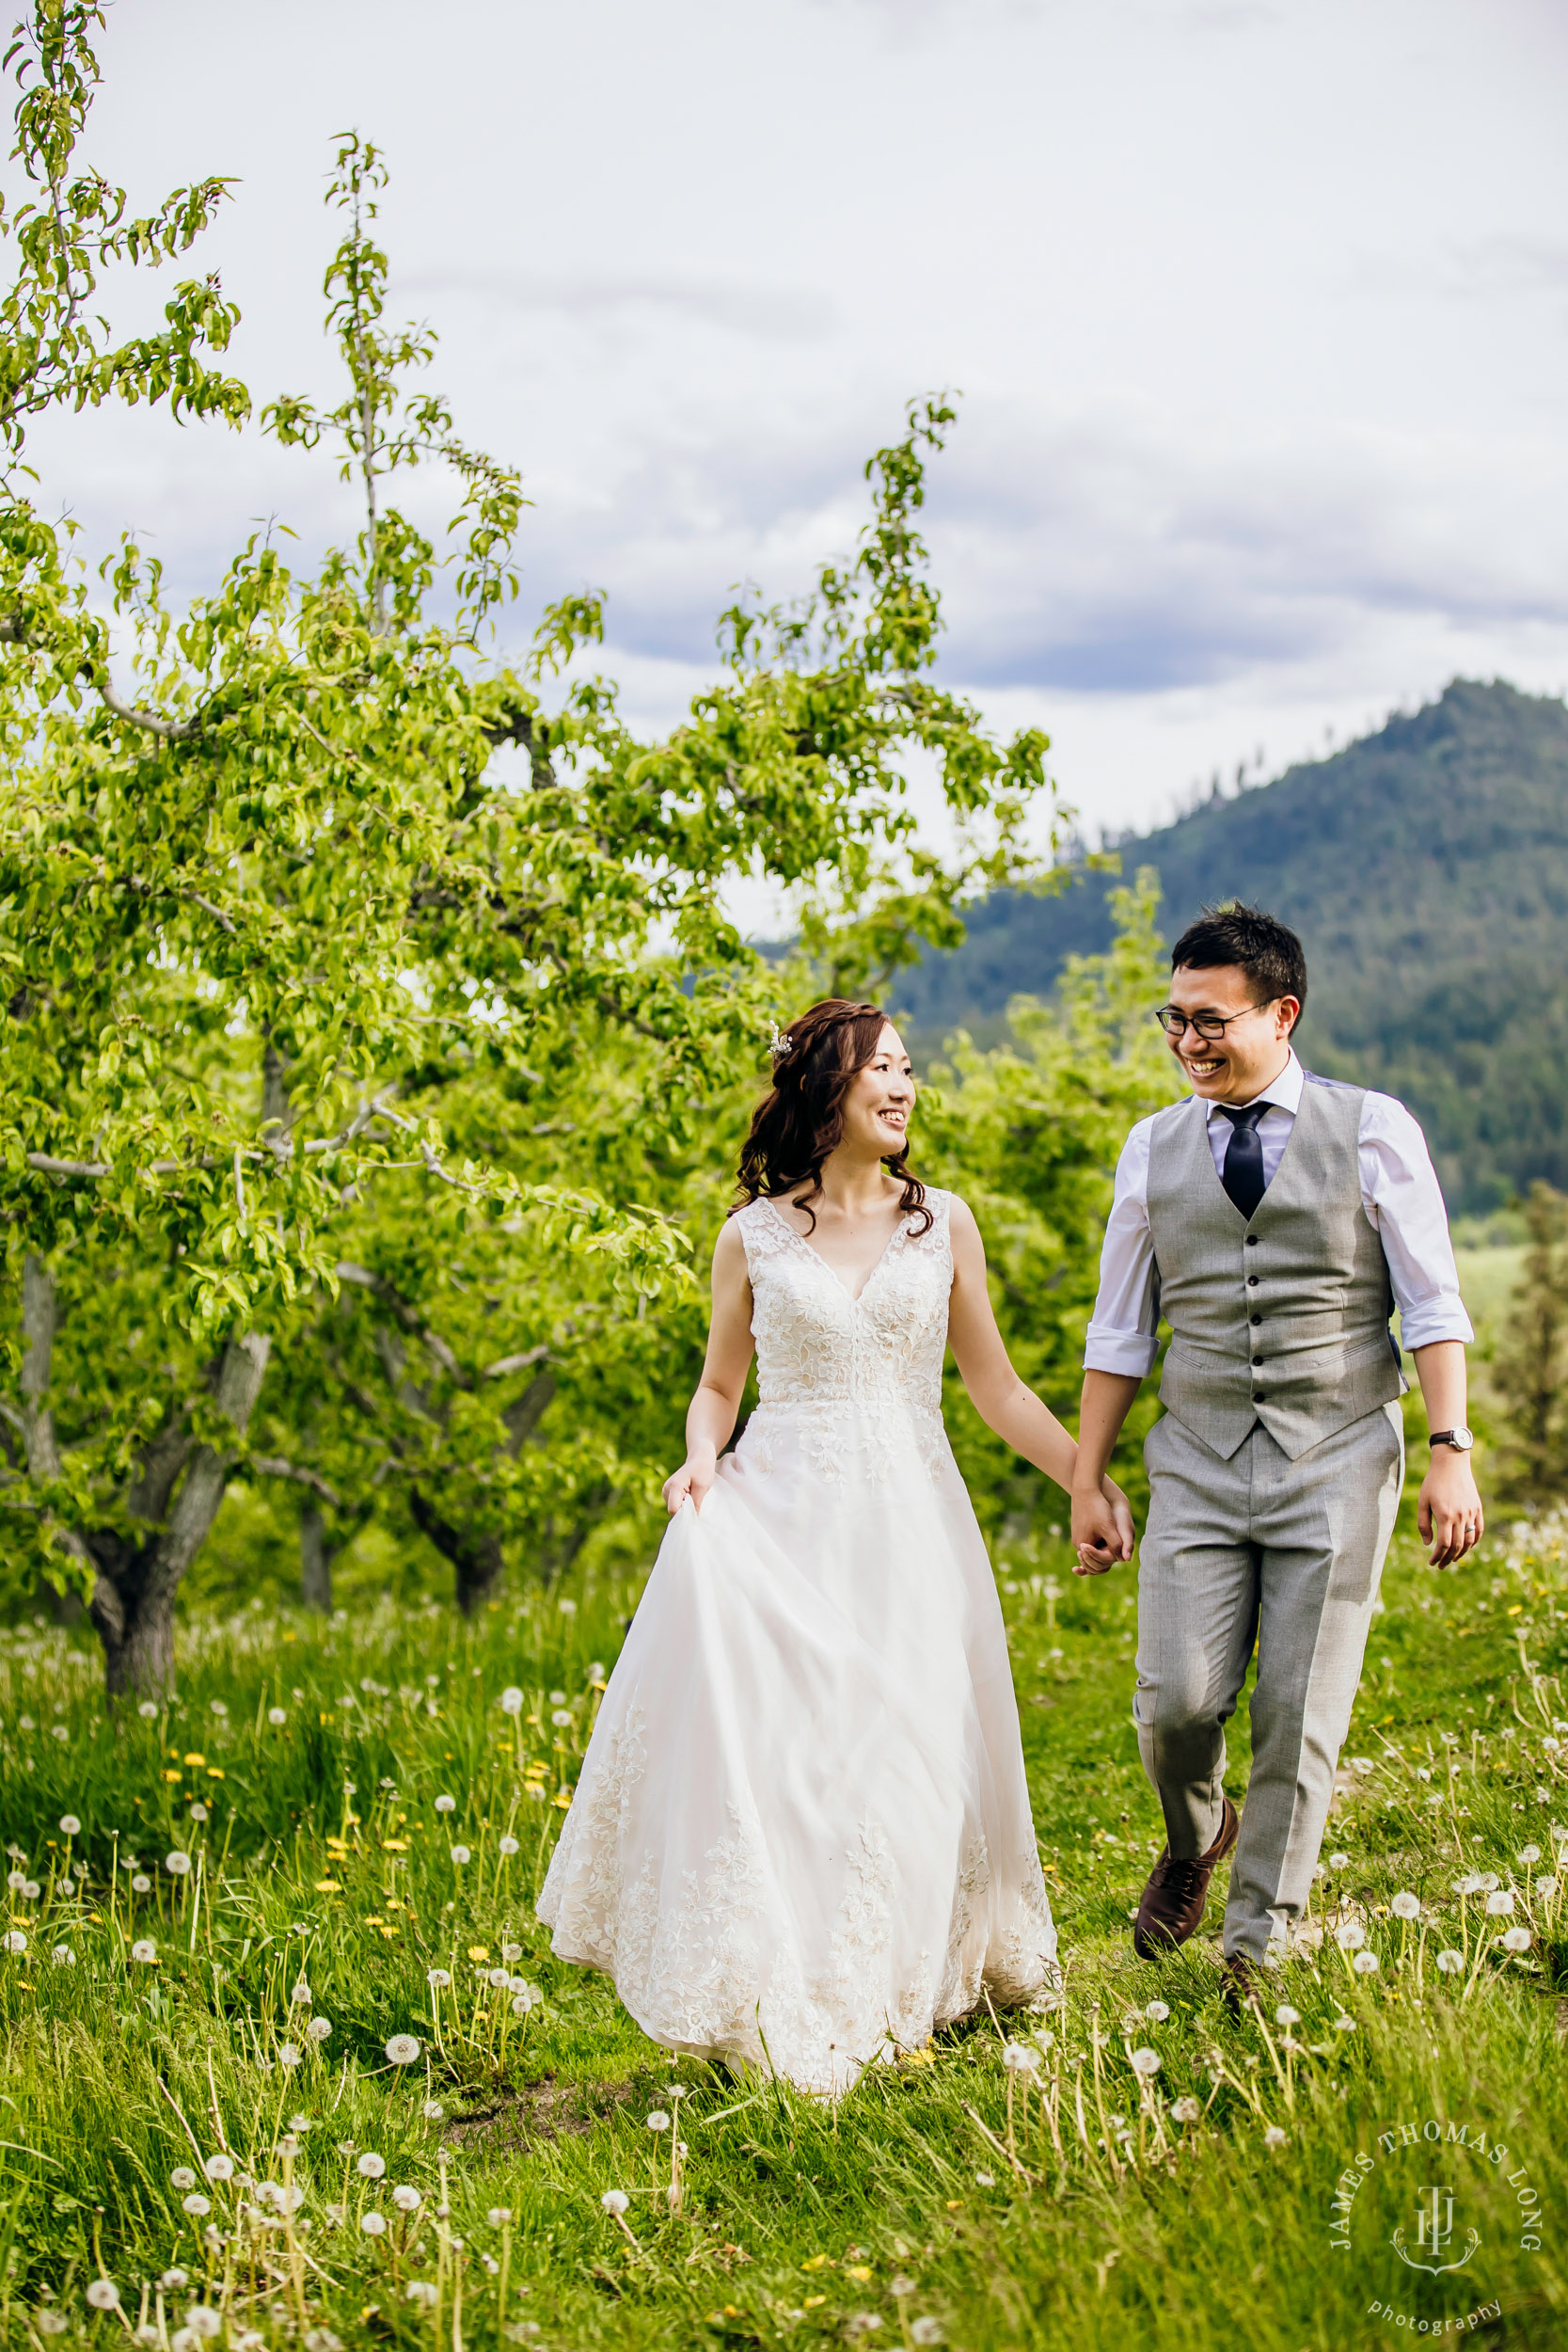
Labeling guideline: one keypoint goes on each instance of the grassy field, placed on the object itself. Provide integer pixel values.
(222, 1918)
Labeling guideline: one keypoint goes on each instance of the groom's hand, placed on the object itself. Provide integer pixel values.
(1103, 1533)
(1449, 1512)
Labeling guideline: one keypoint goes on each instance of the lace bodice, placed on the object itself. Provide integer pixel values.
(816, 1345)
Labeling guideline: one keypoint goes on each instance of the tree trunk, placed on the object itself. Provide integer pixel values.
(133, 1598)
(315, 1560)
(476, 1559)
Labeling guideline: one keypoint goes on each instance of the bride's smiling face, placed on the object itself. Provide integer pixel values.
(879, 1099)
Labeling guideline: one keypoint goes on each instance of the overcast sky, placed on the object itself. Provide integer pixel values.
(1257, 313)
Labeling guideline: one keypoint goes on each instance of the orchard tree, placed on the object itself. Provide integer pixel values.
(370, 1001)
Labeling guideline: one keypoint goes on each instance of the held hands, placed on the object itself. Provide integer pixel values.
(694, 1478)
(1102, 1529)
(1449, 1512)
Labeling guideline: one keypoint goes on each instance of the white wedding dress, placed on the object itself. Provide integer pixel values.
(801, 1831)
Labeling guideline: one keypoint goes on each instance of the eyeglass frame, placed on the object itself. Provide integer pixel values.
(1209, 1026)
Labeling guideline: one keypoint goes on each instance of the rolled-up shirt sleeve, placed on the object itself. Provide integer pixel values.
(1121, 1334)
(1401, 1195)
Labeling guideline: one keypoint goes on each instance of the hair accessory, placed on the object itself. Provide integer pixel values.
(779, 1044)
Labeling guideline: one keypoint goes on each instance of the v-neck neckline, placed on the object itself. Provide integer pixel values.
(854, 1297)
(1207, 1153)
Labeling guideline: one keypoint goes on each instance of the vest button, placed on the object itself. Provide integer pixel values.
(1252, 1240)
(1257, 1318)
(1258, 1359)
(1252, 1281)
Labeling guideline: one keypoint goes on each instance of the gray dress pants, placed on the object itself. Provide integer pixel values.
(1289, 1554)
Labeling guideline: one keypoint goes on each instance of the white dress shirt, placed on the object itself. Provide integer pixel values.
(1399, 1194)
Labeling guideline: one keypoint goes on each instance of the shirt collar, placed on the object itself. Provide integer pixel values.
(1284, 1092)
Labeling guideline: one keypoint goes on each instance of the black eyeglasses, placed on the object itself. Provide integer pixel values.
(1208, 1025)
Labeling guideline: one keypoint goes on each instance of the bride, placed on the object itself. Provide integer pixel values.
(801, 1831)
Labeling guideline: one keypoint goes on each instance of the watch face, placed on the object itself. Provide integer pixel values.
(1463, 1440)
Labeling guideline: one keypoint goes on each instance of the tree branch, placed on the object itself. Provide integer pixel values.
(272, 1466)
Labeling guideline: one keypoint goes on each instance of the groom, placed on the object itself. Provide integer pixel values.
(1275, 1219)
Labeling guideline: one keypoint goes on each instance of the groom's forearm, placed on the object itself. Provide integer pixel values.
(1108, 1399)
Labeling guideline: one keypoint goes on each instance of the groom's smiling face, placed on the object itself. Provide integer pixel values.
(1253, 1046)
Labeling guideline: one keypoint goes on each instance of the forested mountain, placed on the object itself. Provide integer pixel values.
(1426, 868)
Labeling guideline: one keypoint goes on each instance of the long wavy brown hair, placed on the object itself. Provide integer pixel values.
(801, 1118)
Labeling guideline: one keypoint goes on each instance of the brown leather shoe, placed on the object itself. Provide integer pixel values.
(1239, 1984)
(1173, 1900)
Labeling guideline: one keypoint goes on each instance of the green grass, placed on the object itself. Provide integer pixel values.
(889, 2218)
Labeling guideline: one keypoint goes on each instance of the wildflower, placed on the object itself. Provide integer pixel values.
(900, 2285)
(1350, 1935)
(71, 1826)
(1274, 2137)
(198, 1813)
(407, 2199)
(177, 1864)
(103, 2295)
(1516, 1940)
(1526, 1853)
(278, 1715)
(1343, 2024)
(506, 1845)
(148, 1708)
(460, 1855)
(172, 2281)
(219, 2168)
(146, 1950)
(512, 1700)
(322, 2339)
(437, 1979)
(497, 1980)
(659, 2120)
(374, 2224)
(985, 2180)
(319, 2028)
(1468, 1886)
(925, 2332)
(203, 2321)
(16, 1881)
(1185, 2110)
(528, 1998)
(1546, 1888)
(31, 1890)
(300, 1995)
(140, 1883)
(1157, 2012)
(1499, 1902)
(1338, 1862)
(182, 2177)
(535, 1789)
(1286, 2015)
(63, 1957)
(288, 2054)
(499, 2215)
(1366, 1964)
(1450, 1963)
(196, 2204)
(1145, 2063)
(433, 2111)
(561, 1717)
(50, 2323)
(1407, 1906)
(615, 2202)
(403, 2049)
(420, 2290)
(446, 1804)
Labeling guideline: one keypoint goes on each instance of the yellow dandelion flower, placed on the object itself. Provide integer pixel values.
(171, 1775)
(479, 1951)
(195, 1757)
(329, 1886)
(215, 1772)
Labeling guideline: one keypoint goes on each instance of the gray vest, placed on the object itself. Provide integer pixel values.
(1283, 1319)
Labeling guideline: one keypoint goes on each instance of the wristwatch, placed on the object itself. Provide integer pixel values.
(1461, 1440)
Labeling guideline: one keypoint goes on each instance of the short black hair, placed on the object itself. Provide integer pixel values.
(1266, 949)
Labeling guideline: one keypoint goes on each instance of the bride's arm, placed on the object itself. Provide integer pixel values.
(711, 1414)
(995, 1391)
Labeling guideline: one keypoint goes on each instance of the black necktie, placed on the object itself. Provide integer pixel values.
(1242, 1176)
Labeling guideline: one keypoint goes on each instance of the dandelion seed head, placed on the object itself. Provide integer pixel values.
(1499, 1902)
(1450, 1963)
(1157, 2012)
(1145, 2063)
(446, 1804)
(1516, 1940)
(1338, 1862)
(204, 2322)
(63, 1957)
(219, 2168)
(615, 2202)
(319, 2029)
(403, 2049)
(374, 2224)
(420, 2290)
(1185, 2109)
(506, 1846)
(140, 1883)
(71, 1826)
(182, 2177)
(433, 2111)
(1286, 2015)
(659, 2120)
(144, 1948)
(371, 2167)
(1405, 1905)
(1526, 1853)
(177, 1864)
(276, 1715)
(1274, 2137)
(438, 1978)
(406, 2198)
(103, 2295)
(460, 1855)
(1366, 1964)
(985, 2180)
(510, 1700)
(1350, 1935)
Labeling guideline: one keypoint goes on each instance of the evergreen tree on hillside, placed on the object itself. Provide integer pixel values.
(1532, 1363)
